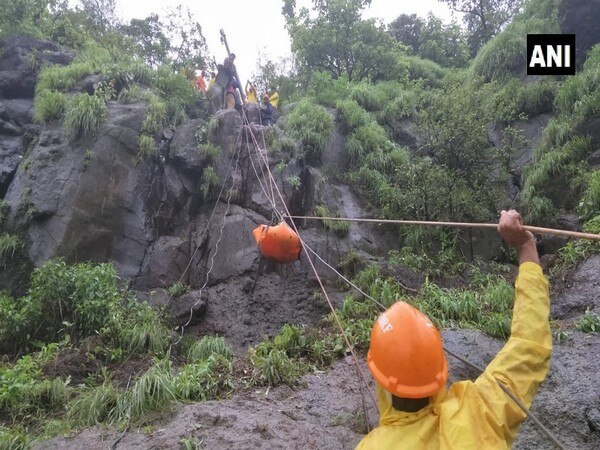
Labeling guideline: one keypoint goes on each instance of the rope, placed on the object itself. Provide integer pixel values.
(539, 230)
(519, 403)
(212, 260)
(329, 302)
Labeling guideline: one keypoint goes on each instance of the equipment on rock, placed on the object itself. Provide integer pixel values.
(278, 243)
(406, 355)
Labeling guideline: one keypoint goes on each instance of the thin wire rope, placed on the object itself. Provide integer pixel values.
(212, 212)
(265, 161)
(346, 279)
(329, 302)
(216, 248)
(516, 399)
(540, 230)
(456, 224)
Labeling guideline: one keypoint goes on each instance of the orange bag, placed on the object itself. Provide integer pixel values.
(278, 243)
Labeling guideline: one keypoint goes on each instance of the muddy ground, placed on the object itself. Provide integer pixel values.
(325, 411)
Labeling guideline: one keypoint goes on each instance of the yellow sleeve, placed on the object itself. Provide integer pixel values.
(524, 361)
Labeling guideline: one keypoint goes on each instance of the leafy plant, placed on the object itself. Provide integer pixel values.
(294, 181)
(146, 148)
(84, 114)
(209, 346)
(154, 390)
(49, 105)
(311, 125)
(589, 323)
(177, 289)
(10, 244)
(209, 181)
(339, 227)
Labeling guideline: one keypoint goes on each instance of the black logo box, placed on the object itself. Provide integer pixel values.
(551, 40)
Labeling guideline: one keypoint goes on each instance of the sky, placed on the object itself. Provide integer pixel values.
(256, 27)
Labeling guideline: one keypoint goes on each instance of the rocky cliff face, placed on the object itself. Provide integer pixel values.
(88, 200)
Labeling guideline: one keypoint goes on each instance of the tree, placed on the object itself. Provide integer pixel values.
(187, 43)
(149, 39)
(407, 29)
(338, 41)
(444, 44)
(484, 18)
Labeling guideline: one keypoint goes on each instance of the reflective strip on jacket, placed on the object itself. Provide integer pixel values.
(479, 415)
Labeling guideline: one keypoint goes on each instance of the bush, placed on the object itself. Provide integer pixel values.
(209, 346)
(327, 91)
(156, 117)
(62, 78)
(423, 69)
(94, 406)
(84, 114)
(339, 227)
(75, 300)
(589, 323)
(311, 125)
(146, 148)
(352, 115)
(204, 379)
(209, 181)
(49, 105)
(177, 289)
(10, 244)
(154, 390)
(367, 96)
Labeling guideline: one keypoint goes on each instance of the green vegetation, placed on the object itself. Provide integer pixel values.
(83, 115)
(146, 148)
(339, 227)
(589, 323)
(210, 179)
(177, 289)
(312, 126)
(50, 105)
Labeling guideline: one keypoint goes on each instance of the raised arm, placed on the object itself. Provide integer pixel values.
(523, 362)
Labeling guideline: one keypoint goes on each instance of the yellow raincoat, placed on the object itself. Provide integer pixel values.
(479, 415)
(274, 99)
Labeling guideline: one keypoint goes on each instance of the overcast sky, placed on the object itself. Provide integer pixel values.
(256, 27)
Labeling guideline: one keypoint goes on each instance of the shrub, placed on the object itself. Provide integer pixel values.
(589, 323)
(339, 227)
(367, 96)
(352, 115)
(273, 366)
(211, 151)
(204, 379)
(312, 126)
(10, 244)
(327, 91)
(49, 105)
(423, 69)
(154, 390)
(84, 114)
(62, 78)
(146, 148)
(156, 117)
(209, 181)
(139, 329)
(94, 406)
(76, 300)
(177, 289)
(209, 346)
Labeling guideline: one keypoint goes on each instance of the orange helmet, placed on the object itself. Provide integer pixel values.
(279, 243)
(406, 355)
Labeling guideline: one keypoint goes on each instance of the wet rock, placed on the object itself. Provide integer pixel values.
(189, 308)
(594, 159)
(17, 111)
(163, 264)
(582, 294)
(183, 150)
(21, 59)
(88, 84)
(85, 205)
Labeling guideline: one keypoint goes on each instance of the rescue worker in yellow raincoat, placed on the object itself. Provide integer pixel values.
(408, 363)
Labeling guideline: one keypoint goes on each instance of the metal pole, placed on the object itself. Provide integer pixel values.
(237, 77)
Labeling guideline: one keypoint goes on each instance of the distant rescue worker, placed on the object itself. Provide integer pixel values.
(231, 96)
(266, 111)
(211, 82)
(274, 97)
(251, 95)
(407, 360)
(200, 82)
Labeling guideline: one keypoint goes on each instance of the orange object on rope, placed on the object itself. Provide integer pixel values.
(278, 243)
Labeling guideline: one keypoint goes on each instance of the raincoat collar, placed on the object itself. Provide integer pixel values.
(390, 416)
